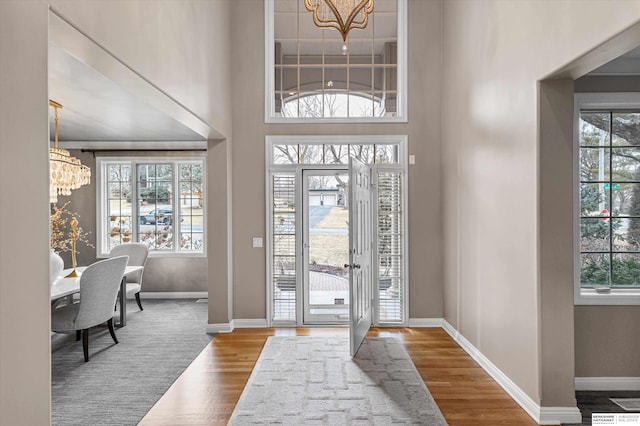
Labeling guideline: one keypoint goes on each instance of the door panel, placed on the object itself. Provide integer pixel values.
(360, 249)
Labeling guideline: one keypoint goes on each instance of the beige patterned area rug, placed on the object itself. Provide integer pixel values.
(313, 381)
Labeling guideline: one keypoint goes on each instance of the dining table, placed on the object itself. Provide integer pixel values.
(66, 287)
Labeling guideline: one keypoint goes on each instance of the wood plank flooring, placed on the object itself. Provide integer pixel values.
(207, 392)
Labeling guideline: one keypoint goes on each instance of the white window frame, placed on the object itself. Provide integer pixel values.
(271, 141)
(586, 296)
(269, 74)
(102, 233)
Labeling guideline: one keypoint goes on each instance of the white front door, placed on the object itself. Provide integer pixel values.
(360, 253)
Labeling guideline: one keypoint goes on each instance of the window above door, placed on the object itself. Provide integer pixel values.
(312, 75)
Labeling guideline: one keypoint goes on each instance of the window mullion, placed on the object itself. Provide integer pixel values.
(135, 208)
(610, 198)
(175, 203)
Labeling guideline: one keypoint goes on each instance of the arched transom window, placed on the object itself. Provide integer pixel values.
(313, 74)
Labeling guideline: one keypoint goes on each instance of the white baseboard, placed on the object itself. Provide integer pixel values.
(174, 294)
(228, 327)
(555, 415)
(425, 322)
(607, 383)
(250, 323)
(542, 415)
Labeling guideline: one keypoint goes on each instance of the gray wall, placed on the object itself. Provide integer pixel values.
(555, 245)
(423, 128)
(606, 344)
(25, 373)
(498, 286)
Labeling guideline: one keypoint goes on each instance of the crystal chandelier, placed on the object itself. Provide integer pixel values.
(343, 15)
(65, 172)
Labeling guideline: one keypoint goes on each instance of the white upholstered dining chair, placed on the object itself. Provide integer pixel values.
(137, 253)
(99, 286)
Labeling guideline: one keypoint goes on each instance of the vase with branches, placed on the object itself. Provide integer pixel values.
(66, 233)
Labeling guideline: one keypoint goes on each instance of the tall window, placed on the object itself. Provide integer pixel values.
(391, 245)
(156, 202)
(312, 74)
(609, 198)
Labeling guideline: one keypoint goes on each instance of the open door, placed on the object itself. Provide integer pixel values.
(360, 237)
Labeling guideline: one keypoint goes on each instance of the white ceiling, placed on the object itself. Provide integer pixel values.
(106, 104)
(95, 108)
(627, 64)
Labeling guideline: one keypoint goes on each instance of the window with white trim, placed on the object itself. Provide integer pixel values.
(156, 201)
(312, 74)
(287, 157)
(608, 198)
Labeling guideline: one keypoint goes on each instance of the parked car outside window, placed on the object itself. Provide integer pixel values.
(164, 216)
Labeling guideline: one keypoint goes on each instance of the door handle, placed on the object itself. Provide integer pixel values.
(352, 266)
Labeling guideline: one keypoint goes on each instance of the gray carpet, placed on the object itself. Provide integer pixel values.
(305, 380)
(120, 383)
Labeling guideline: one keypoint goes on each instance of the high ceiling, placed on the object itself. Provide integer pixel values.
(107, 108)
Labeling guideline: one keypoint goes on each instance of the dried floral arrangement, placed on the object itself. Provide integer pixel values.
(63, 235)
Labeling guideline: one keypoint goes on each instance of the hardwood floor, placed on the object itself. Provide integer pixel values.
(206, 393)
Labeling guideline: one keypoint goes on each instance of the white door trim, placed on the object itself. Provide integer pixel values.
(295, 169)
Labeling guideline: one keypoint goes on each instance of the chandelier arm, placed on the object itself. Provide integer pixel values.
(337, 23)
(332, 25)
(368, 4)
(338, 16)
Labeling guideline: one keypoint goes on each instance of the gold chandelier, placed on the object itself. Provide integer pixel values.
(343, 15)
(65, 171)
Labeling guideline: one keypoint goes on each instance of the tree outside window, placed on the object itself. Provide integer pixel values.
(157, 203)
(609, 198)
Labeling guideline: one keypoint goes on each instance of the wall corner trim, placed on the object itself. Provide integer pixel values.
(542, 415)
(607, 383)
